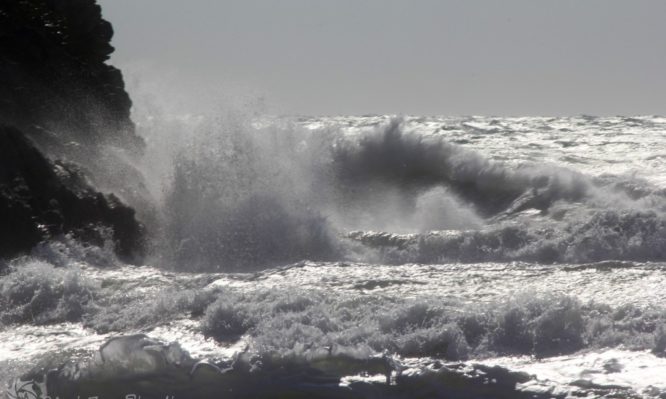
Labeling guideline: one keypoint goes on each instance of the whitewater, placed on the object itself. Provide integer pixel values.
(360, 256)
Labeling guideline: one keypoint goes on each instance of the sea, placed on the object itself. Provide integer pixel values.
(376, 256)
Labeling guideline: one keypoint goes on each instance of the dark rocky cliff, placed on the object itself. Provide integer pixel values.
(56, 90)
(53, 73)
(40, 199)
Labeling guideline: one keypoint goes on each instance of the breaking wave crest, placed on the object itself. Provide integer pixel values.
(584, 235)
(245, 195)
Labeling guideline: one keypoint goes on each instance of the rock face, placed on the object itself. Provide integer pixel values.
(53, 72)
(59, 99)
(40, 199)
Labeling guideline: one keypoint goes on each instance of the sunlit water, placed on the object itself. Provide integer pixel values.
(575, 323)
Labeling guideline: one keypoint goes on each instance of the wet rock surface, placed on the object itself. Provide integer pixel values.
(60, 102)
(40, 199)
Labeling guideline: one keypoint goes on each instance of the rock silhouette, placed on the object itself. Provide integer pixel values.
(58, 93)
(54, 75)
(40, 199)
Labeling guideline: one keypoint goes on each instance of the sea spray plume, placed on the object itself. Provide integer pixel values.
(248, 192)
(438, 209)
(240, 198)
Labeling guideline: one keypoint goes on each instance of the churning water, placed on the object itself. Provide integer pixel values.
(372, 256)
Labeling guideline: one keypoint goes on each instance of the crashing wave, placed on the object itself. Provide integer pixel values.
(244, 196)
(580, 236)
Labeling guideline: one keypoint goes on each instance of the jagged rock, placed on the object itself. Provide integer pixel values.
(66, 102)
(53, 73)
(40, 199)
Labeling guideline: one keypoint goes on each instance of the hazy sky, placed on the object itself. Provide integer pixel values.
(508, 57)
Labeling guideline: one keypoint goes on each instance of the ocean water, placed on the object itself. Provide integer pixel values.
(363, 256)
